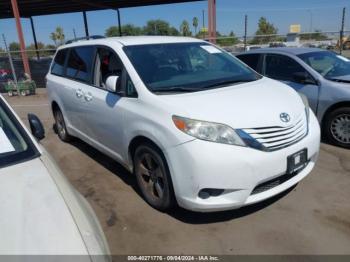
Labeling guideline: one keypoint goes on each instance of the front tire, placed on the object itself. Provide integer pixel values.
(153, 177)
(60, 126)
(337, 127)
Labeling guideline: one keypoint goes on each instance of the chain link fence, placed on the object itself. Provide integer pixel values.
(324, 40)
(39, 60)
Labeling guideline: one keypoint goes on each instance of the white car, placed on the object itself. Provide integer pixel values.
(196, 126)
(41, 213)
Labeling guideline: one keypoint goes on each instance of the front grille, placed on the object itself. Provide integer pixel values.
(274, 138)
(275, 182)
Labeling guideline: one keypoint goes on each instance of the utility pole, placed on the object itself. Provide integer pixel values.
(34, 37)
(342, 32)
(86, 26)
(119, 23)
(11, 63)
(203, 19)
(75, 36)
(245, 32)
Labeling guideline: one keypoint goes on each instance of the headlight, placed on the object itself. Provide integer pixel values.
(307, 106)
(208, 131)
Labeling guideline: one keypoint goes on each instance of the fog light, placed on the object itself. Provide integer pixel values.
(210, 192)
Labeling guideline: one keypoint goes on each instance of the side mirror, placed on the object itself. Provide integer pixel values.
(303, 78)
(36, 127)
(111, 83)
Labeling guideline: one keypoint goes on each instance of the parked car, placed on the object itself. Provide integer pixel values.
(194, 124)
(41, 213)
(323, 76)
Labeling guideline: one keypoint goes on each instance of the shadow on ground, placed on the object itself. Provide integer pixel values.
(178, 213)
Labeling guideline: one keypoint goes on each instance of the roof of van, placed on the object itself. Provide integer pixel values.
(136, 40)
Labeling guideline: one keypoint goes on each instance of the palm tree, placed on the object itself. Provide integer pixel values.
(195, 24)
(58, 36)
(185, 28)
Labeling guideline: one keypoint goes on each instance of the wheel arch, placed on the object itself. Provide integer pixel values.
(54, 106)
(332, 108)
(135, 142)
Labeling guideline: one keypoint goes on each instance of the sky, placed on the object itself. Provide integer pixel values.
(323, 15)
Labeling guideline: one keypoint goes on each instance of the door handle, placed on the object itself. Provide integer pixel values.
(79, 93)
(88, 97)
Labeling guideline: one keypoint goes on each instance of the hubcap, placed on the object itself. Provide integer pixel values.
(340, 128)
(151, 176)
(60, 124)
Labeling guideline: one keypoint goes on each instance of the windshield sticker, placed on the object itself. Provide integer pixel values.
(343, 58)
(211, 49)
(5, 144)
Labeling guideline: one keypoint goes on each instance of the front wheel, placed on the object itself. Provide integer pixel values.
(60, 126)
(337, 127)
(153, 177)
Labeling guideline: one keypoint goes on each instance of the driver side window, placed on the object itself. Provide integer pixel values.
(281, 67)
(106, 64)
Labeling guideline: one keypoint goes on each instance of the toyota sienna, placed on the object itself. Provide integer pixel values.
(195, 125)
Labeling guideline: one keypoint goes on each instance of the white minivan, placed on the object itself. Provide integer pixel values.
(194, 124)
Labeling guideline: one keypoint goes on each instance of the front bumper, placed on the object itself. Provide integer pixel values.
(198, 165)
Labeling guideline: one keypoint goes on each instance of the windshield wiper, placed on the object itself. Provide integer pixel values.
(338, 80)
(225, 83)
(176, 89)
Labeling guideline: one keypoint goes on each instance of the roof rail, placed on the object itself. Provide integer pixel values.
(92, 37)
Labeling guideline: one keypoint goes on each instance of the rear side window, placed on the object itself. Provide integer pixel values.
(58, 64)
(79, 65)
(251, 60)
(281, 67)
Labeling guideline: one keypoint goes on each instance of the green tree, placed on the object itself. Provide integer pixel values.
(195, 24)
(185, 28)
(227, 40)
(159, 27)
(128, 29)
(265, 28)
(58, 36)
(51, 49)
(317, 35)
(14, 46)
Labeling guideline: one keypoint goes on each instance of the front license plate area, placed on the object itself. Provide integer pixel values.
(297, 161)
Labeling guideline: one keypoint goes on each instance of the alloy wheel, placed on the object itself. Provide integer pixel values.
(340, 128)
(60, 124)
(151, 176)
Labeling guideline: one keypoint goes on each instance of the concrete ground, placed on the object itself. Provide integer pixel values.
(312, 218)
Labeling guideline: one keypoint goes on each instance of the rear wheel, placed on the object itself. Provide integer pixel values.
(153, 177)
(337, 127)
(60, 126)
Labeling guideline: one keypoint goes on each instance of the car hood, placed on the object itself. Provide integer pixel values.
(34, 217)
(249, 105)
(341, 79)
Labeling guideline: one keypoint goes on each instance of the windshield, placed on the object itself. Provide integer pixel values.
(15, 146)
(328, 64)
(187, 67)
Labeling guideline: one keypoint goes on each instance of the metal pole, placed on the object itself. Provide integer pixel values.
(245, 32)
(203, 18)
(86, 25)
(342, 32)
(20, 37)
(119, 23)
(34, 37)
(75, 36)
(212, 20)
(311, 23)
(11, 63)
